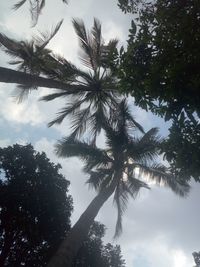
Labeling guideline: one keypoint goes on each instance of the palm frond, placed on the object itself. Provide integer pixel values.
(98, 177)
(9, 43)
(85, 43)
(125, 119)
(121, 200)
(73, 91)
(146, 148)
(22, 91)
(109, 54)
(94, 124)
(44, 38)
(36, 7)
(57, 67)
(90, 155)
(161, 176)
(53, 96)
(68, 110)
(130, 187)
(134, 185)
(79, 122)
(19, 4)
(124, 109)
(151, 136)
(25, 54)
(96, 42)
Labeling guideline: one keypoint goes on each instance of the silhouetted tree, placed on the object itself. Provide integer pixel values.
(90, 93)
(118, 169)
(95, 254)
(35, 208)
(196, 256)
(160, 68)
(35, 214)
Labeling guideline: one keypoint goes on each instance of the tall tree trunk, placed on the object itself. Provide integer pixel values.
(13, 76)
(69, 247)
(18, 77)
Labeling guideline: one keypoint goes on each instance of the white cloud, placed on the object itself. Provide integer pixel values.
(26, 113)
(180, 259)
(112, 31)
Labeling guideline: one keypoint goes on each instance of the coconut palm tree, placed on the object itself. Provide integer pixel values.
(119, 169)
(91, 93)
(28, 56)
(36, 7)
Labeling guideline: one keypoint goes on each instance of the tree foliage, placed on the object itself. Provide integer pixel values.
(126, 161)
(35, 208)
(130, 6)
(95, 254)
(35, 213)
(160, 68)
(90, 93)
(196, 256)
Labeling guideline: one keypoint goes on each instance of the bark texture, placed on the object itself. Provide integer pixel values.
(69, 247)
(18, 77)
(13, 76)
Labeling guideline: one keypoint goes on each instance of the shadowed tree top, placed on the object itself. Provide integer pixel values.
(160, 68)
(35, 214)
(196, 256)
(35, 208)
(95, 254)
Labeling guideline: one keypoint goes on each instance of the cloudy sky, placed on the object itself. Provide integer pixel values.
(159, 228)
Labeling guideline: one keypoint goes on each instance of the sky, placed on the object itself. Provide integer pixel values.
(159, 228)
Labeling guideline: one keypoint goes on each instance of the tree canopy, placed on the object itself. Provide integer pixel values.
(160, 68)
(35, 207)
(95, 254)
(196, 256)
(35, 210)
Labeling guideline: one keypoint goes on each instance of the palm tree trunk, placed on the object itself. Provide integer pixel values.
(13, 76)
(69, 247)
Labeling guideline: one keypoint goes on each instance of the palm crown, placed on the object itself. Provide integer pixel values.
(91, 93)
(126, 161)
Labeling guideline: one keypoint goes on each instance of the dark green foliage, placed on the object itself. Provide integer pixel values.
(34, 207)
(130, 6)
(36, 7)
(182, 150)
(95, 254)
(35, 214)
(196, 256)
(161, 70)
